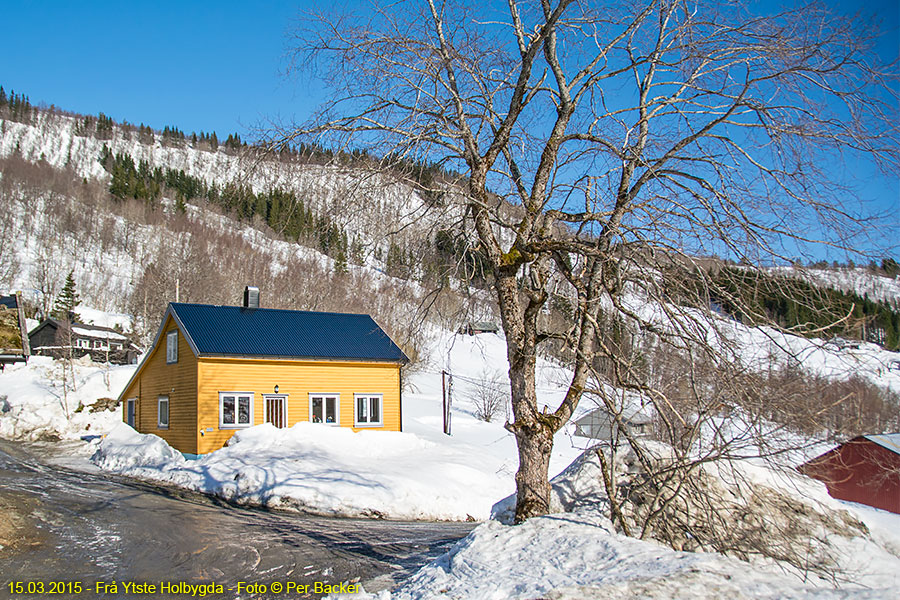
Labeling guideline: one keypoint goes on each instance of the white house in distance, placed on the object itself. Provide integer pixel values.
(600, 424)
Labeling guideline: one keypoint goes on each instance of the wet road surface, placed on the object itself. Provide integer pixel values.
(71, 526)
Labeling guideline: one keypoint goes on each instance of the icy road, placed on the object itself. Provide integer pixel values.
(71, 526)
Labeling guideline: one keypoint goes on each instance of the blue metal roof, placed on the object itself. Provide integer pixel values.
(267, 332)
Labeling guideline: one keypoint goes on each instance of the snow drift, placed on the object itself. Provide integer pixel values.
(318, 469)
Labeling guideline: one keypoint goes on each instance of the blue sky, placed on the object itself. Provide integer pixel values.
(197, 66)
(206, 66)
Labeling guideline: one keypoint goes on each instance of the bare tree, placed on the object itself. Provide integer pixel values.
(62, 373)
(490, 395)
(48, 272)
(603, 147)
(9, 246)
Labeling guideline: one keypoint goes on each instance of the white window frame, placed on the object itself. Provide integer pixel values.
(172, 348)
(235, 425)
(159, 420)
(83, 343)
(356, 400)
(337, 407)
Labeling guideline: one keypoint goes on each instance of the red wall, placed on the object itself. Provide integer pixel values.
(860, 471)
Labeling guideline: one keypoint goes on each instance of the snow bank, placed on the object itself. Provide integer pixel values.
(318, 469)
(38, 405)
(124, 449)
(577, 555)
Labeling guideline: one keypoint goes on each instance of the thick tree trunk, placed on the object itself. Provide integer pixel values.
(532, 484)
(533, 431)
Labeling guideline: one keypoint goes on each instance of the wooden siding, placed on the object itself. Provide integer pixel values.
(860, 471)
(296, 379)
(178, 381)
(46, 336)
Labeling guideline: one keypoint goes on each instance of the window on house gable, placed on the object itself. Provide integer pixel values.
(235, 410)
(324, 408)
(162, 412)
(368, 410)
(172, 347)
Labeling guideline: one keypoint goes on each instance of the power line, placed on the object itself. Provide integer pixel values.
(482, 382)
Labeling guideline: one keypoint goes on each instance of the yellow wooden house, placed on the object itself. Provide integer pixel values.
(213, 370)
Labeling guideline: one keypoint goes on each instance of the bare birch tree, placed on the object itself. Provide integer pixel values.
(603, 148)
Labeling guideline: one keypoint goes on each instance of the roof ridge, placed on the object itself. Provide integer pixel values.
(92, 326)
(289, 310)
(58, 322)
(888, 441)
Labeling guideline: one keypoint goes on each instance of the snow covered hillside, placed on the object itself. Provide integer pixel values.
(131, 257)
(859, 280)
(366, 203)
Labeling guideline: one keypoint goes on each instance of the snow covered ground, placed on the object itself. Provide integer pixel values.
(424, 474)
(38, 402)
(573, 556)
(575, 553)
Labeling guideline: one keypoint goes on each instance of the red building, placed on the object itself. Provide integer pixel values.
(865, 469)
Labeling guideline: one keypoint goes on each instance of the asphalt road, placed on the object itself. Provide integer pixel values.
(59, 527)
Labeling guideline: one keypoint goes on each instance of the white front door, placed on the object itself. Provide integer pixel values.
(275, 409)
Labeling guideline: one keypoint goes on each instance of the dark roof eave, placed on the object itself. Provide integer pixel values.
(13, 358)
(403, 360)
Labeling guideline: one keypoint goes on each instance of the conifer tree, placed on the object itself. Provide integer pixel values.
(68, 299)
(340, 262)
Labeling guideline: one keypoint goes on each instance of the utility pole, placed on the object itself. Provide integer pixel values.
(447, 397)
